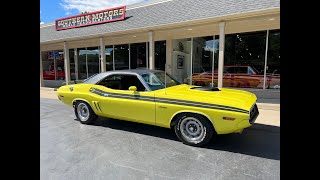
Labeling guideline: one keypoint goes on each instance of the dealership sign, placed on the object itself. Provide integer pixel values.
(98, 17)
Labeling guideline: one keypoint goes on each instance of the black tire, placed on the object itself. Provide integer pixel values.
(195, 122)
(60, 78)
(87, 115)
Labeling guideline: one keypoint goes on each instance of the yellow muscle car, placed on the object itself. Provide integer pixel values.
(149, 96)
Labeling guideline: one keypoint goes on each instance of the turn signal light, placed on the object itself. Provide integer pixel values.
(229, 118)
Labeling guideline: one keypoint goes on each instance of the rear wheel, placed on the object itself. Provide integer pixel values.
(84, 113)
(193, 129)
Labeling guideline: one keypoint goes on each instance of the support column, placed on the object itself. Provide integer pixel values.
(265, 61)
(147, 55)
(151, 51)
(169, 55)
(66, 62)
(102, 55)
(41, 71)
(129, 56)
(191, 64)
(87, 69)
(212, 70)
(221, 54)
(76, 67)
(113, 62)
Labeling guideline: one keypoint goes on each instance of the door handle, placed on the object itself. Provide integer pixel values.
(163, 107)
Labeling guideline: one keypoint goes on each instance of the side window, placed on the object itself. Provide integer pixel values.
(250, 71)
(230, 70)
(122, 82)
(242, 70)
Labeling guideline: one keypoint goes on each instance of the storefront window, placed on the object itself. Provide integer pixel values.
(109, 58)
(121, 56)
(160, 54)
(93, 60)
(244, 60)
(72, 64)
(53, 65)
(138, 55)
(181, 60)
(273, 63)
(205, 53)
(48, 65)
(82, 63)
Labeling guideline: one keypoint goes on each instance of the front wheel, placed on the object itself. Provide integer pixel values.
(193, 129)
(84, 113)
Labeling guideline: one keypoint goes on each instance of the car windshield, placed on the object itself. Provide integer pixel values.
(156, 80)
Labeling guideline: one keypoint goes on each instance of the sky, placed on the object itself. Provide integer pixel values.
(50, 10)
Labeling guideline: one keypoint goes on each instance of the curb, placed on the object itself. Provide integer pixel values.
(47, 89)
(269, 106)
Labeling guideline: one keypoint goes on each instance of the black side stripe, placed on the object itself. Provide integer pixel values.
(166, 100)
(203, 105)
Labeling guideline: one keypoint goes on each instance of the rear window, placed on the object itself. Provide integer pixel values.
(93, 79)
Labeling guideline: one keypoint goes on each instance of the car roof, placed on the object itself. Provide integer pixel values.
(96, 78)
(138, 71)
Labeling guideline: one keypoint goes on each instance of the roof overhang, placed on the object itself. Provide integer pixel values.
(165, 27)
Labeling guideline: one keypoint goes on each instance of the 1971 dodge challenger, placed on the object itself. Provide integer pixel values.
(195, 113)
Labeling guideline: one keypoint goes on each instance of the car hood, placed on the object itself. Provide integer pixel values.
(220, 96)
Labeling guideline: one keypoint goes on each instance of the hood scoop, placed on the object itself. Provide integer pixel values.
(206, 88)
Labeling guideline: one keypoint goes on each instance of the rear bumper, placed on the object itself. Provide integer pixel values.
(254, 113)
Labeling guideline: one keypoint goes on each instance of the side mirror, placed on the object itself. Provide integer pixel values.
(133, 88)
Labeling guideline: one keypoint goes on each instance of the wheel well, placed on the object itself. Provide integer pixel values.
(186, 113)
(74, 103)
(78, 100)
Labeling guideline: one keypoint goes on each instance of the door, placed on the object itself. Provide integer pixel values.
(120, 103)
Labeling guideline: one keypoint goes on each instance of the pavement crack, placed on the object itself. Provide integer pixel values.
(251, 175)
(128, 167)
(140, 170)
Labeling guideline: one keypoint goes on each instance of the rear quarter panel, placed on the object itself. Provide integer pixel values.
(79, 92)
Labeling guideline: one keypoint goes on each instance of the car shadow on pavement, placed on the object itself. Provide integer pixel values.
(259, 140)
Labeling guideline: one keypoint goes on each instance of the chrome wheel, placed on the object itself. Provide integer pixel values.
(83, 112)
(192, 130)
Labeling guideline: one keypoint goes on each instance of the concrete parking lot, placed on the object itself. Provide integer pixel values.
(113, 149)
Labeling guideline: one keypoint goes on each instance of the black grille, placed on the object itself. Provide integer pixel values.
(254, 112)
